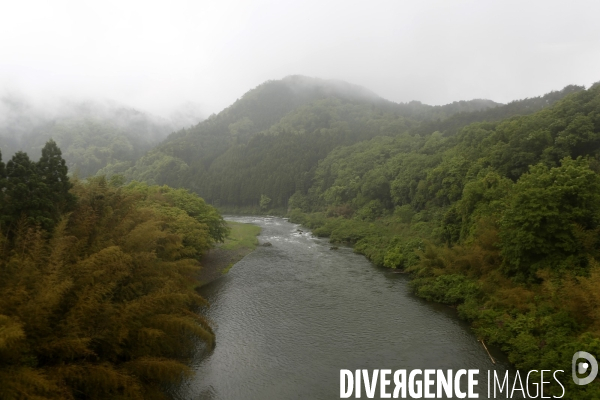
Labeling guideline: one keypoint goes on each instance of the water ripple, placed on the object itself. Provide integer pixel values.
(290, 316)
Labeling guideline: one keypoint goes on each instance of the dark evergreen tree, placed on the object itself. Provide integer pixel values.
(37, 192)
(25, 193)
(53, 173)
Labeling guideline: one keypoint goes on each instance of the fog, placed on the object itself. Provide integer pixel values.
(22, 114)
(184, 56)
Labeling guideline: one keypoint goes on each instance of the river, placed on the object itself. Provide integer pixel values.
(288, 317)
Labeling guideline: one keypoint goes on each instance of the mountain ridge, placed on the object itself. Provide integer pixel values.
(219, 157)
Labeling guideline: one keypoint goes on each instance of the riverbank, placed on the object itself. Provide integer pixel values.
(251, 211)
(241, 241)
(290, 315)
(538, 325)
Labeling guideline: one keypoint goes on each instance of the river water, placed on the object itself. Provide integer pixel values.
(288, 317)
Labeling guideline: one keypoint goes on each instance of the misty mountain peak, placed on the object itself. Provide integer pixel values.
(329, 87)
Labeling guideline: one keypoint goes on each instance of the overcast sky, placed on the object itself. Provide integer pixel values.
(156, 55)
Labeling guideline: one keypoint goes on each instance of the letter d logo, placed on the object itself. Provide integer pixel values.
(583, 367)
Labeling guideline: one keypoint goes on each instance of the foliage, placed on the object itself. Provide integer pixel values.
(34, 192)
(499, 220)
(184, 203)
(264, 202)
(402, 252)
(447, 288)
(271, 140)
(103, 305)
(548, 212)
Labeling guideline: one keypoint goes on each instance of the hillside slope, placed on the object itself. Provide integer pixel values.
(500, 220)
(268, 143)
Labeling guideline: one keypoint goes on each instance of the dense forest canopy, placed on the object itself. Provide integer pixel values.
(97, 282)
(270, 141)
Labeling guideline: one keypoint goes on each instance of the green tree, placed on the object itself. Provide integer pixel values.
(545, 211)
(53, 172)
(197, 208)
(264, 202)
(104, 306)
(26, 193)
(37, 192)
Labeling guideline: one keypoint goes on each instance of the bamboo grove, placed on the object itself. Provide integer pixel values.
(97, 282)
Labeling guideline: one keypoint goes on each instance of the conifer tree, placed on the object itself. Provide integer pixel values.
(25, 193)
(53, 172)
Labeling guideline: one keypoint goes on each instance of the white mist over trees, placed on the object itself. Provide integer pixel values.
(93, 134)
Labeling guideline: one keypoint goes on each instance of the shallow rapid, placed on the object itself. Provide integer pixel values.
(289, 316)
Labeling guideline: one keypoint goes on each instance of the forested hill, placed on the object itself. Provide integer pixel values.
(268, 143)
(517, 107)
(92, 134)
(187, 155)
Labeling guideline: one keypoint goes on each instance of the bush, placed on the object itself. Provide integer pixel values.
(447, 289)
